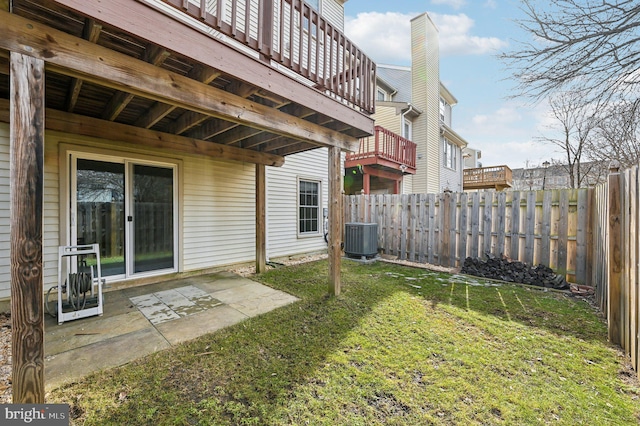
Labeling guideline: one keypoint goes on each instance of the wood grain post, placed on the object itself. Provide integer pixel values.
(335, 220)
(27, 180)
(261, 215)
(614, 307)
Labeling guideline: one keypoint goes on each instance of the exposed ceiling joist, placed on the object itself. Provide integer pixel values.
(119, 101)
(159, 110)
(90, 32)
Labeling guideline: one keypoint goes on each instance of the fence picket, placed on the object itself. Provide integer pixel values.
(422, 247)
(530, 226)
(563, 223)
(432, 227)
(462, 226)
(404, 225)
(501, 216)
(488, 223)
(475, 224)
(515, 226)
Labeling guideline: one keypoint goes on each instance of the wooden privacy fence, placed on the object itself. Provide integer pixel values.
(547, 227)
(617, 250)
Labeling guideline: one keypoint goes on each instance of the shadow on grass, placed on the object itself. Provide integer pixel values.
(247, 372)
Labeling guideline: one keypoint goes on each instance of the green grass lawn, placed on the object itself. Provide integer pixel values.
(399, 346)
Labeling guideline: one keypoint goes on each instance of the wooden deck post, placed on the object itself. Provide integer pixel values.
(261, 215)
(27, 180)
(614, 307)
(335, 220)
(366, 183)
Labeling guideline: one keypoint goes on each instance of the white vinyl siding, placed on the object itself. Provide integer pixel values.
(5, 217)
(425, 96)
(451, 177)
(51, 213)
(282, 203)
(50, 231)
(333, 11)
(388, 117)
(219, 212)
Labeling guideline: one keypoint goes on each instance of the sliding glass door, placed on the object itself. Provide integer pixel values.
(152, 218)
(128, 208)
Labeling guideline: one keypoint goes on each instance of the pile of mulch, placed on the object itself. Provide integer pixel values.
(498, 268)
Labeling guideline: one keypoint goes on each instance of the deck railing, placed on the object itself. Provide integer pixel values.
(292, 34)
(487, 177)
(386, 145)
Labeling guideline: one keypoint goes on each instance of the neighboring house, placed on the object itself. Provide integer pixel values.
(471, 158)
(180, 140)
(413, 105)
(556, 176)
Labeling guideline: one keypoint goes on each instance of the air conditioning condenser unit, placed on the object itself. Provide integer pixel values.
(361, 239)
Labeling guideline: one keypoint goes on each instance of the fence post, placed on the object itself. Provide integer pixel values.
(614, 307)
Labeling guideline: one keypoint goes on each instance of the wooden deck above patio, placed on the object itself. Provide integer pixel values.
(266, 89)
(496, 177)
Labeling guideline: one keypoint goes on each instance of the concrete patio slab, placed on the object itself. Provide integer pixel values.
(129, 328)
(72, 365)
(188, 328)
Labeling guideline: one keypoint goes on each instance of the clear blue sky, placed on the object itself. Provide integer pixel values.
(472, 33)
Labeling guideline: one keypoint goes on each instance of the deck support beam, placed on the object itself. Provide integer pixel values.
(27, 186)
(335, 220)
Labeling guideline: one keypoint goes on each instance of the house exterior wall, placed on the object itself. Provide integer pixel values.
(333, 11)
(282, 199)
(451, 179)
(388, 117)
(425, 96)
(216, 201)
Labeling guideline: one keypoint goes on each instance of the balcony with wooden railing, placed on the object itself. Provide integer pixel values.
(496, 177)
(292, 35)
(384, 149)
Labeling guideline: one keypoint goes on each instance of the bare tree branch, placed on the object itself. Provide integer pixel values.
(590, 47)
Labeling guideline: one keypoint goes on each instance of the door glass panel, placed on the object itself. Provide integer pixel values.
(100, 211)
(152, 218)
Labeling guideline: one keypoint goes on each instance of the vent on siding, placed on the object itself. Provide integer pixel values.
(361, 239)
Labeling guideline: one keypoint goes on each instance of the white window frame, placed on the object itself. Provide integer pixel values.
(450, 155)
(407, 128)
(382, 92)
(318, 206)
(442, 110)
